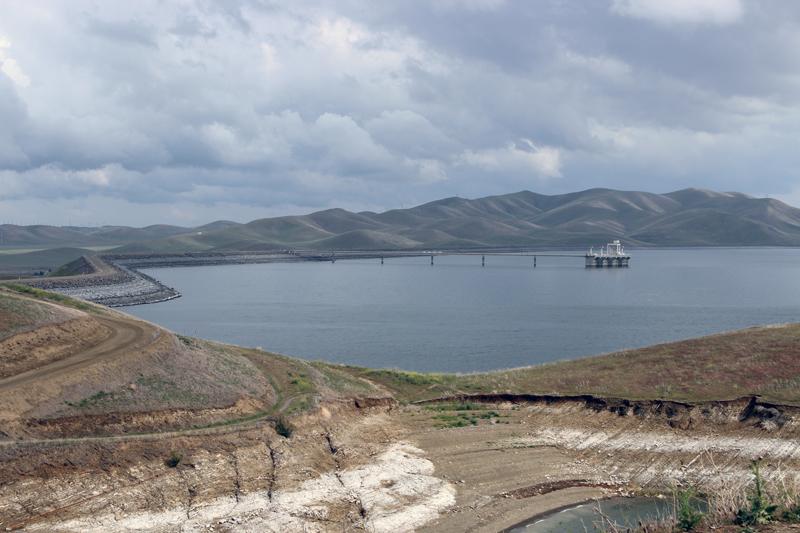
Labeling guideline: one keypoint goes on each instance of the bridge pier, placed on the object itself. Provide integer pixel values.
(431, 259)
(483, 260)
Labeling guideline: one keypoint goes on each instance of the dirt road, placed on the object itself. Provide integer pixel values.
(123, 336)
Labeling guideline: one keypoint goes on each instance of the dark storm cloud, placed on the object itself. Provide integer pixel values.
(253, 106)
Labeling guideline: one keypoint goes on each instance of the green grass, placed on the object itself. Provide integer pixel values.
(17, 314)
(410, 378)
(339, 380)
(300, 383)
(50, 296)
(461, 406)
(166, 391)
(155, 388)
(454, 421)
(95, 400)
(233, 421)
(187, 341)
(463, 419)
(460, 414)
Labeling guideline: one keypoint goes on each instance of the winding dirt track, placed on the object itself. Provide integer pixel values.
(124, 335)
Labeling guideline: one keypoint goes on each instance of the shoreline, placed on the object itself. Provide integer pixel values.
(115, 280)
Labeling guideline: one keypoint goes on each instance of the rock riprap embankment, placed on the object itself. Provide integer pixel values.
(109, 283)
(114, 279)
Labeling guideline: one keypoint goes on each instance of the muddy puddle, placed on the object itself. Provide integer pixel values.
(594, 516)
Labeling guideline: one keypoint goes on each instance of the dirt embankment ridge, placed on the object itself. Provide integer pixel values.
(748, 410)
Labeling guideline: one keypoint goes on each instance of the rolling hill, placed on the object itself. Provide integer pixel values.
(689, 217)
(12, 235)
(27, 264)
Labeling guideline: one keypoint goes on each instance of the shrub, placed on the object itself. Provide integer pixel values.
(283, 427)
(173, 460)
(51, 296)
(760, 511)
(687, 515)
(792, 512)
(408, 378)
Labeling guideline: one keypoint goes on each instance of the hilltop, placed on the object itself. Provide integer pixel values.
(689, 217)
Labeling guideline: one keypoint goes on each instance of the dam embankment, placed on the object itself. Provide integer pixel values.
(106, 282)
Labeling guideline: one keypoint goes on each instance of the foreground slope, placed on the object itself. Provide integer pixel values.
(109, 423)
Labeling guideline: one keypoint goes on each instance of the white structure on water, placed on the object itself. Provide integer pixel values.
(611, 255)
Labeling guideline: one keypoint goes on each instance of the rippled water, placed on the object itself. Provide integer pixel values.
(459, 316)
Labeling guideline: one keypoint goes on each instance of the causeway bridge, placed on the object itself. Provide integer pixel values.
(591, 260)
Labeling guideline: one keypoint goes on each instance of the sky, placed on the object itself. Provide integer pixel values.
(188, 111)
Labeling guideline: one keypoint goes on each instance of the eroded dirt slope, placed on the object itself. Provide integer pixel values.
(388, 468)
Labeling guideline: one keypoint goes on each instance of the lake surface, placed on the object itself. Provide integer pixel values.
(458, 316)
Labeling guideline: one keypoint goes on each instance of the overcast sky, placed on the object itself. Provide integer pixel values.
(121, 112)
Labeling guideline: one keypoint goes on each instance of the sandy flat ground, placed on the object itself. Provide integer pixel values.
(537, 458)
(484, 472)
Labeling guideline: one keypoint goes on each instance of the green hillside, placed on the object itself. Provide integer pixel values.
(690, 217)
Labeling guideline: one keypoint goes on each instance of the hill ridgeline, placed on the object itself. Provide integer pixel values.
(689, 217)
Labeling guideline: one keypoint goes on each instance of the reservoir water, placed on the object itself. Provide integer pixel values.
(459, 316)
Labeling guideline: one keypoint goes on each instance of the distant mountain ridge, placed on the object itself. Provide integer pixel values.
(43, 235)
(689, 217)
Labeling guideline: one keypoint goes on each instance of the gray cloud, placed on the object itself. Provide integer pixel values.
(233, 109)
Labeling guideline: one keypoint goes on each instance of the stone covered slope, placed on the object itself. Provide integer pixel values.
(106, 282)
